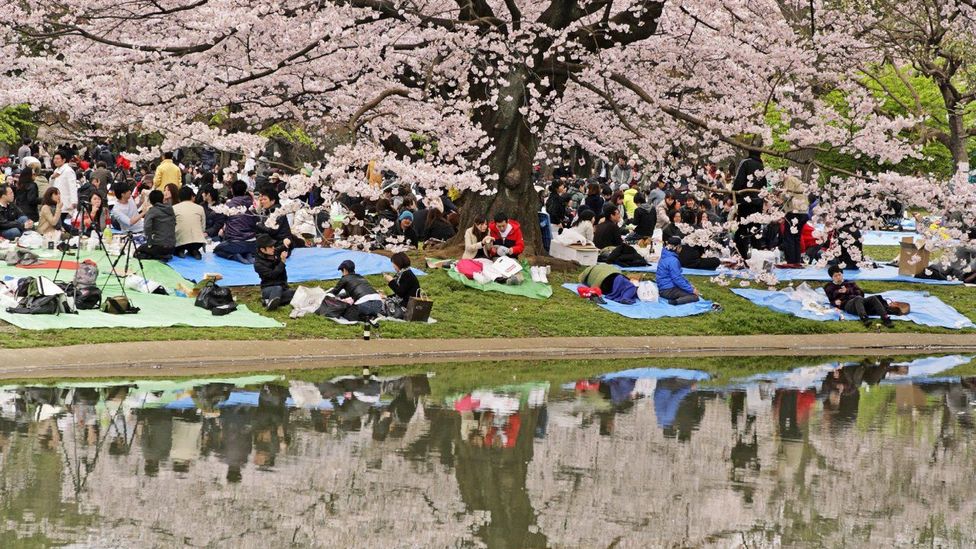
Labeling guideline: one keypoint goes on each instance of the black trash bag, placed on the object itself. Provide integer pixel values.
(216, 299)
(332, 307)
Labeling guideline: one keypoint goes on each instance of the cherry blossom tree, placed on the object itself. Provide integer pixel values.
(468, 94)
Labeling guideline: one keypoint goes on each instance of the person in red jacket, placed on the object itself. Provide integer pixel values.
(506, 236)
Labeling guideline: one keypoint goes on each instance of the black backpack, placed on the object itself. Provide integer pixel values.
(216, 299)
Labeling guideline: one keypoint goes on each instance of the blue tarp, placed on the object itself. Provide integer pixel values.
(885, 273)
(887, 238)
(305, 264)
(658, 373)
(813, 376)
(927, 310)
(650, 310)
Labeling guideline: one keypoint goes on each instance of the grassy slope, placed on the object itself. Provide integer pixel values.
(463, 312)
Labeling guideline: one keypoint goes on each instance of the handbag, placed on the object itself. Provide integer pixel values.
(393, 307)
(899, 308)
(118, 305)
(418, 309)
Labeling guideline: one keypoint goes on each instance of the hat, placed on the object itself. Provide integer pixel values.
(347, 266)
(406, 214)
(275, 176)
(674, 241)
(264, 240)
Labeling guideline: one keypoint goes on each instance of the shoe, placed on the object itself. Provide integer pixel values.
(195, 254)
(544, 274)
(240, 258)
(887, 322)
(534, 273)
(598, 299)
(181, 254)
(249, 259)
(272, 304)
(867, 322)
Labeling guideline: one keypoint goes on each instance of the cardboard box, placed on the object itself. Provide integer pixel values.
(584, 255)
(908, 251)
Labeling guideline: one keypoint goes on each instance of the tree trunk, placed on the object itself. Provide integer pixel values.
(957, 128)
(515, 148)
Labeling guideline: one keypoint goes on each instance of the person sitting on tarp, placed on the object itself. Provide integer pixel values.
(354, 286)
(191, 224)
(672, 286)
(281, 233)
(160, 229)
(239, 230)
(848, 297)
(13, 222)
(269, 263)
(404, 229)
(611, 281)
(506, 236)
(607, 234)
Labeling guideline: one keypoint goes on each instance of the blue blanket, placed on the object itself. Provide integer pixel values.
(650, 310)
(813, 376)
(927, 310)
(886, 238)
(884, 273)
(305, 264)
(658, 373)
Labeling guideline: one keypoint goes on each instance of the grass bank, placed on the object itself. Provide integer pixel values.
(464, 312)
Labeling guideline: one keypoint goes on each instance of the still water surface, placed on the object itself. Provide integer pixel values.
(859, 453)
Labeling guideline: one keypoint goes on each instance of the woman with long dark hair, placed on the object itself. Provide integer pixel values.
(26, 194)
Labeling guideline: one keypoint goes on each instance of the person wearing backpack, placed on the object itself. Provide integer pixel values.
(269, 264)
(160, 229)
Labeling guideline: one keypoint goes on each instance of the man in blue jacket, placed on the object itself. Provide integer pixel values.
(672, 286)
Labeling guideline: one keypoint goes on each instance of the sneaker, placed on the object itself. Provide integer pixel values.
(534, 273)
(544, 274)
(598, 299)
(272, 304)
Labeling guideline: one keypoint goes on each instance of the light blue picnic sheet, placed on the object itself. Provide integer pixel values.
(884, 273)
(305, 264)
(926, 310)
(651, 309)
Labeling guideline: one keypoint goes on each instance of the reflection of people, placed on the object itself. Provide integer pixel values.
(668, 394)
(792, 409)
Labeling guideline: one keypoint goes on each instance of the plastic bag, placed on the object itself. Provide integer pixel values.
(647, 291)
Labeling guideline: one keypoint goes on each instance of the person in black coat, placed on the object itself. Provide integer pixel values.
(437, 226)
(747, 184)
(26, 194)
(556, 204)
(404, 283)
(269, 264)
(607, 234)
(645, 218)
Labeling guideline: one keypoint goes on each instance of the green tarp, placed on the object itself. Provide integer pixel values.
(155, 270)
(156, 310)
(528, 288)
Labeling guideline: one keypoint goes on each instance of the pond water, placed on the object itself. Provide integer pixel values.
(829, 453)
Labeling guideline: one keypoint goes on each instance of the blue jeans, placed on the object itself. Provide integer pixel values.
(15, 232)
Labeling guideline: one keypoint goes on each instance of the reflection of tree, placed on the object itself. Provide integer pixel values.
(493, 480)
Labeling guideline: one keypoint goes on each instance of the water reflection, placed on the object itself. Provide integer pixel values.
(870, 451)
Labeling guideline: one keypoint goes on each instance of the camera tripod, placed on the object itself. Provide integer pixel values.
(85, 208)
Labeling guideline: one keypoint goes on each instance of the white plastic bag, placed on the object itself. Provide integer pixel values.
(31, 239)
(306, 301)
(139, 284)
(647, 291)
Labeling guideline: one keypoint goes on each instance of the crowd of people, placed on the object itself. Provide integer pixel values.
(178, 207)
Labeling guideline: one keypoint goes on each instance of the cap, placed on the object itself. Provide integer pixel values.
(347, 266)
(264, 240)
(674, 241)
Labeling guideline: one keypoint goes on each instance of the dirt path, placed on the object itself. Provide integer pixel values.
(177, 358)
